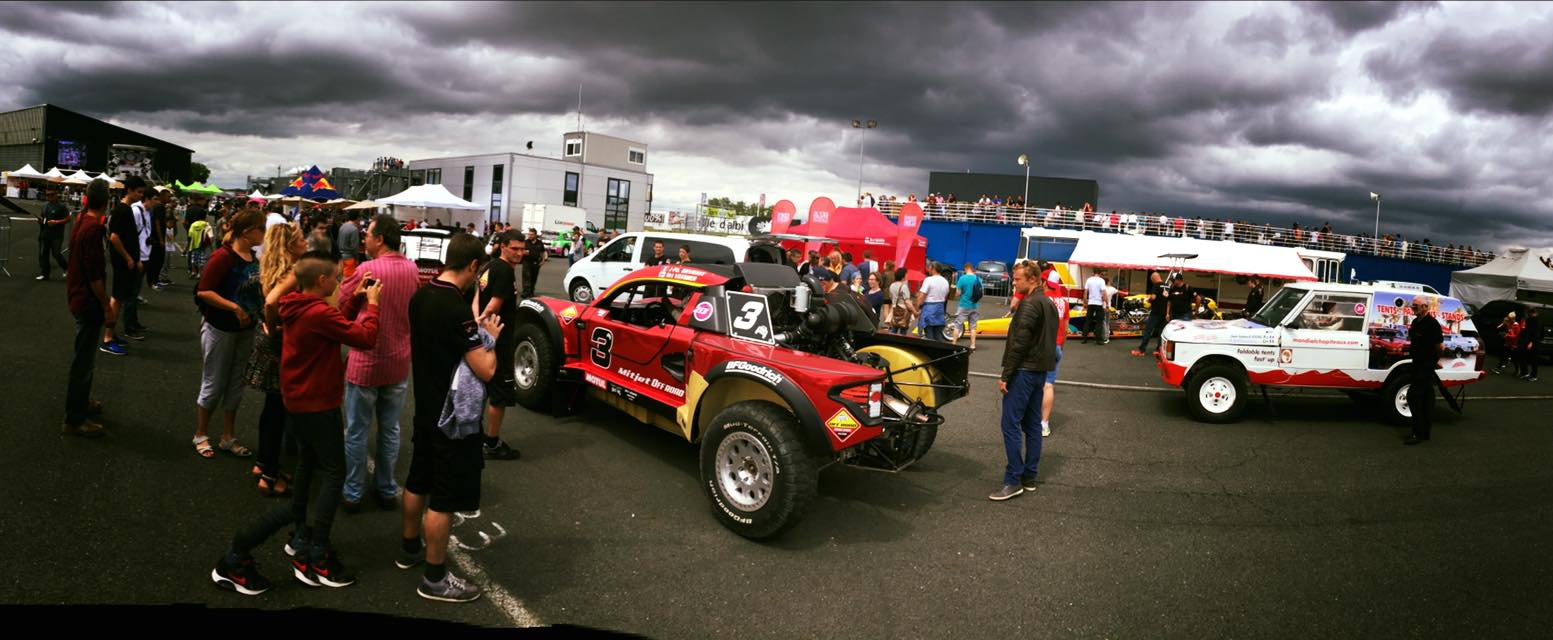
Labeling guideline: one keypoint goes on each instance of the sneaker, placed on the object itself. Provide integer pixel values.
(1532, 379)
(135, 335)
(387, 503)
(295, 545)
(451, 589)
(501, 451)
(1046, 430)
(87, 429)
(1027, 483)
(112, 347)
(242, 577)
(1008, 491)
(142, 300)
(302, 572)
(407, 560)
(331, 572)
(41, 278)
(1137, 353)
(350, 506)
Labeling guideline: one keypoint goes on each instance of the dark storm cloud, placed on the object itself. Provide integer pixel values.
(1500, 71)
(1146, 97)
(1354, 17)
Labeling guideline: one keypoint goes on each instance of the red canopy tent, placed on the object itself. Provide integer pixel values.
(856, 230)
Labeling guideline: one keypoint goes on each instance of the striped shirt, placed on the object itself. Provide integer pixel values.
(389, 361)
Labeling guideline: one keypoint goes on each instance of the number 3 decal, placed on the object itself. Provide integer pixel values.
(749, 314)
(602, 340)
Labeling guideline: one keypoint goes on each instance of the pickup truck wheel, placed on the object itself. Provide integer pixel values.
(1217, 394)
(1393, 399)
(534, 367)
(756, 472)
(581, 292)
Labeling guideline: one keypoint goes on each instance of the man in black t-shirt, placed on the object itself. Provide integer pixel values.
(1156, 320)
(124, 255)
(444, 473)
(498, 296)
(1254, 298)
(1179, 297)
(658, 257)
(51, 234)
(534, 255)
(1425, 342)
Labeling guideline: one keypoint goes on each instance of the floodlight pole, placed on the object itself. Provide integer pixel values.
(1376, 198)
(859, 124)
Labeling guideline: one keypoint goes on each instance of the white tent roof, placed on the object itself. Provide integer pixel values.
(1125, 251)
(1501, 278)
(257, 194)
(79, 177)
(27, 172)
(54, 175)
(431, 196)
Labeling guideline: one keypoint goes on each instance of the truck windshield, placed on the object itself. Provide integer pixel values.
(1278, 307)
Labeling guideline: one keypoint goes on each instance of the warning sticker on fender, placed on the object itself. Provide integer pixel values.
(843, 425)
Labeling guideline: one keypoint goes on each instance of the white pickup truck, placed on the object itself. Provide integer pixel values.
(1315, 335)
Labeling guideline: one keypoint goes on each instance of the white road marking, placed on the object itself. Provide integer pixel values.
(510, 606)
(1128, 387)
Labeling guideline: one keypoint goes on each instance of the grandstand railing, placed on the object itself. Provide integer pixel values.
(1167, 226)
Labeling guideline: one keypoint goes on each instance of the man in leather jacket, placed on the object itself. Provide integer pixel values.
(1030, 353)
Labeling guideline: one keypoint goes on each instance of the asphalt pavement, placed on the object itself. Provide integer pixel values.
(1308, 518)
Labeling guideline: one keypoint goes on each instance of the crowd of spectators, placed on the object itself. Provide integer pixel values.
(1011, 210)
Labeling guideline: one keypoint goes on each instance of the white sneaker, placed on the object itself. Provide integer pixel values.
(1046, 429)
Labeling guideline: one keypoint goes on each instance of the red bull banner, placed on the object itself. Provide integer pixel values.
(782, 216)
(906, 226)
(819, 220)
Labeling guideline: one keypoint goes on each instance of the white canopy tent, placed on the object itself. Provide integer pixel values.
(79, 177)
(431, 198)
(54, 175)
(1504, 278)
(27, 172)
(1125, 251)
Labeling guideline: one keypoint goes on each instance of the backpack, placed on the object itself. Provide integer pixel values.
(900, 310)
(976, 291)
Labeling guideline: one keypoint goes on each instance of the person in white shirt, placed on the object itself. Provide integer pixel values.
(1095, 306)
(931, 301)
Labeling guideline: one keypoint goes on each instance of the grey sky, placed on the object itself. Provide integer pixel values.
(1281, 112)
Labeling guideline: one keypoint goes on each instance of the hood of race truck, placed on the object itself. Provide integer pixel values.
(1238, 332)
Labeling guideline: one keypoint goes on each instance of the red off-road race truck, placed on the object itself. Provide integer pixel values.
(774, 378)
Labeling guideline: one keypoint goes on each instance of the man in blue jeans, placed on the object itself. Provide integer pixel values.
(377, 379)
(1030, 353)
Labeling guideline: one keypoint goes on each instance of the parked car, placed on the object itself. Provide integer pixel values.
(994, 278)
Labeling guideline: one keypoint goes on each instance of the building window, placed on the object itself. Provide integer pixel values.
(497, 172)
(469, 183)
(433, 176)
(572, 186)
(637, 156)
(617, 204)
(419, 177)
(573, 147)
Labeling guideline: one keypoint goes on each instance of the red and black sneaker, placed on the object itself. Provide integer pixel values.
(302, 570)
(242, 577)
(330, 572)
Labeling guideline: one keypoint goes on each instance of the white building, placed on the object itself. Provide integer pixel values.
(595, 172)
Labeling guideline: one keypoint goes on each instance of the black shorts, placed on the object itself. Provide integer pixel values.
(502, 389)
(124, 283)
(447, 470)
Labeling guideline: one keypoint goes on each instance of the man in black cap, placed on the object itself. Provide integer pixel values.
(1179, 297)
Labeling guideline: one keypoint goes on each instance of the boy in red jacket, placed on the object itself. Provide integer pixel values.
(312, 385)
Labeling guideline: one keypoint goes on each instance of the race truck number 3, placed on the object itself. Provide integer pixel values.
(751, 320)
(602, 341)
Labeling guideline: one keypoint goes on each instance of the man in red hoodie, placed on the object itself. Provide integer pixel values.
(312, 385)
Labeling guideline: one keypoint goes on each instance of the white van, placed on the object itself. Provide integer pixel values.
(599, 270)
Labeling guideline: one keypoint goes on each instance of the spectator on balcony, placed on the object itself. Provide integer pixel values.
(1180, 227)
(867, 200)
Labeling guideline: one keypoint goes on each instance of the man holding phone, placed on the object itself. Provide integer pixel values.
(377, 380)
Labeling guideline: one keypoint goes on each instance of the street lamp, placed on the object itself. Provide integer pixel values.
(1376, 197)
(865, 126)
(1024, 161)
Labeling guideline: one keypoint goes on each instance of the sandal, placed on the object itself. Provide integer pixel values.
(273, 487)
(235, 448)
(202, 446)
